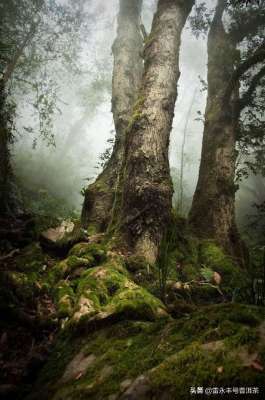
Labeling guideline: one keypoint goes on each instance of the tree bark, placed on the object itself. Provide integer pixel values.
(127, 75)
(8, 204)
(147, 187)
(212, 213)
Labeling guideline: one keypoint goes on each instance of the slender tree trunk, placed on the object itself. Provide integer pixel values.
(127, 75)
(213, 209)
(7, 196)
(147, 187)
(182, 155)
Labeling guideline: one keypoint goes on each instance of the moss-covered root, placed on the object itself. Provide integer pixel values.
(81, 257)
(105, 294)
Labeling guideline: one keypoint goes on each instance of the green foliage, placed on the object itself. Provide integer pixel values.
(105, 156)
(207, 273)
(200, 20)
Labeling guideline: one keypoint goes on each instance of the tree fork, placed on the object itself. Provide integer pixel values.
(127, 74)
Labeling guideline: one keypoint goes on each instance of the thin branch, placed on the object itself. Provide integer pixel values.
(143, 31)
(248, 95)
(183, 150)
(257, 57)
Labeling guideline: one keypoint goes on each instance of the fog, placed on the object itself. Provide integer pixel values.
(84, 122)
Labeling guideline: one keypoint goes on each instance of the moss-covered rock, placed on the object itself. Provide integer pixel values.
(233, 277)
(149, 359)
(190, 258)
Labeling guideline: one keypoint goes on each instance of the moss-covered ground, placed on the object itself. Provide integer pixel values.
(110, 336)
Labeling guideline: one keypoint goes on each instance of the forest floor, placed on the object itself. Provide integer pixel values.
(89, 322)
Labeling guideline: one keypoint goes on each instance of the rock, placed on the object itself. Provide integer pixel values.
(62, 237)
(85, 307)
(125, 384)
(56, 234)
(78, 366)
(106, 372)
(140, 389)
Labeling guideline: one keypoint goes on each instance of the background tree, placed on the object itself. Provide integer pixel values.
(213, 210)
(36, 37)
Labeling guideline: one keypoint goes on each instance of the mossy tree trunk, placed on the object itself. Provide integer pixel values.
(147, 188)
(212, 213)
(127, 75)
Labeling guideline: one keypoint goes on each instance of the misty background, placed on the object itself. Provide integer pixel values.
(59, 168)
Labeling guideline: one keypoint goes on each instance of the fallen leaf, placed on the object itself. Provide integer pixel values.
(38, 285)
(177, 285)
(78, 376)
(256, 365)
(217, 278)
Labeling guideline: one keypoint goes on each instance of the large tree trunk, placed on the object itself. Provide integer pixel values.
(127, 76)
(147, 187)
(213, 209)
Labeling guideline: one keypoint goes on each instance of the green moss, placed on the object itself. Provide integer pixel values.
(232, 275)
(193, 367)
(89, 251)
(31, 259)
(221, 320)
(138, 304)
(205, 294)
(92, 230)
(57, 272)
(244, 336)
(190, 272)
(137, 112)
(23, 286)
(69, 266)
(173, 355)
(64, 296)
(74, 262)
(136, 263)
(104, 293)
(192, 256)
